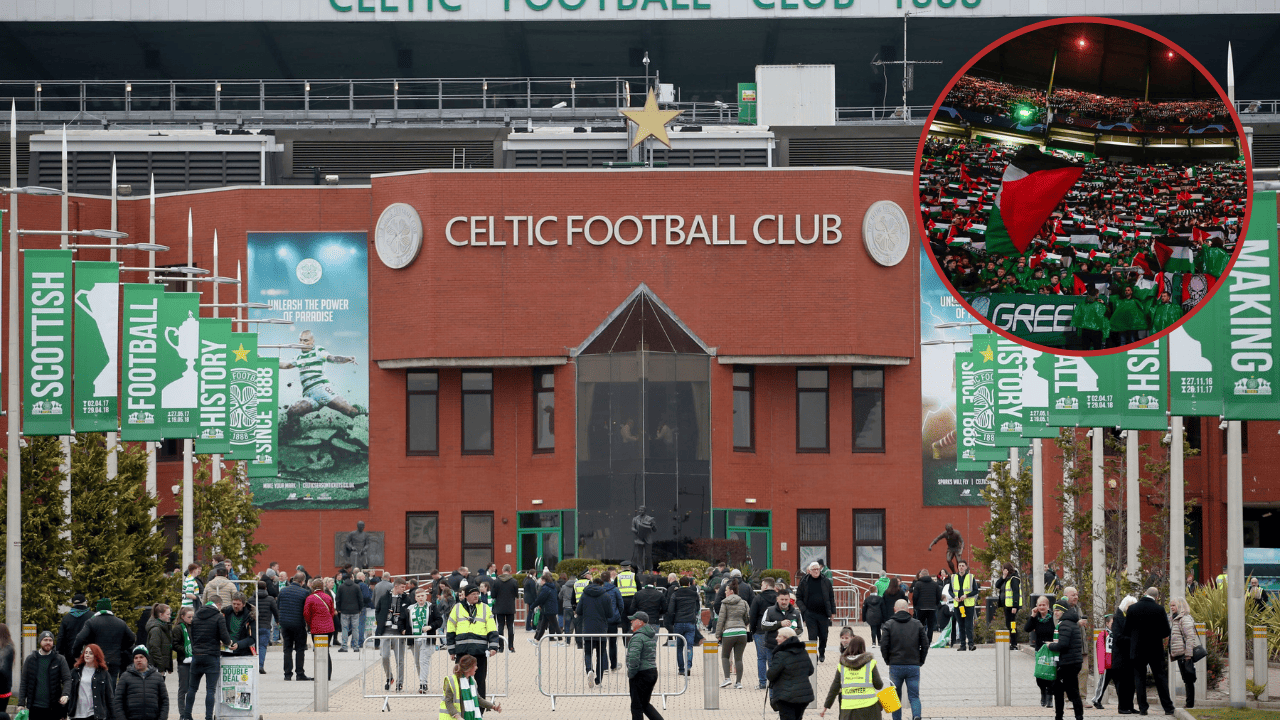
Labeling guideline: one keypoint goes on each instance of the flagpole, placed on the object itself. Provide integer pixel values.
(1098, 529)
(151, 279)
(188, 505)
(1177, 520)
(65, 440)
(112, 438)
(1235, 566)
(242, 464)
(1037, 518)
(215, 461)
(13, 490)
(1133, 511)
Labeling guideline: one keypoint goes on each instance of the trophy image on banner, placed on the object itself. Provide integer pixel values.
(102, 304)
(182, 393)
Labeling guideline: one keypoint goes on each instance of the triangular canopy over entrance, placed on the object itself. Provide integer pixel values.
(642, 322)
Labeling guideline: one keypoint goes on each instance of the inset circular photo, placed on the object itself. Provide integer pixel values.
(1083, 184)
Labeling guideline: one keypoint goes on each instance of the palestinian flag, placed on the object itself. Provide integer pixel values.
(1201, 235)
(1174, 254)
(1032, 186)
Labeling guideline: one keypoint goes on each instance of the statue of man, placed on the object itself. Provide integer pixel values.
(642, 526)
(357, 546)
(955, 546)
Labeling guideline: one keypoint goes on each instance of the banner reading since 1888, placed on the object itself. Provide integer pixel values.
(319, 281)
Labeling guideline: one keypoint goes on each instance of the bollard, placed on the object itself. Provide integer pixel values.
(812, 647)
(1003, 693)
(710, 675)
(1260, 659)
(322, 673)
(1202, 673)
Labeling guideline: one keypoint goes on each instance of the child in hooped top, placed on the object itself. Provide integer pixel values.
(1103, 653)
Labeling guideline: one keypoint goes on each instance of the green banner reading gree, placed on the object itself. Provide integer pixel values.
(46, 285)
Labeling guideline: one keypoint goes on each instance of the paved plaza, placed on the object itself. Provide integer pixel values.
(953, 685)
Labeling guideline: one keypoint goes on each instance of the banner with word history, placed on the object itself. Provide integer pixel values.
(242, 409)
(1195, 357)
(1140, 387)
(319, 280)
(1251, 369)
(1010, 416)
(944, 484)
(46, 346)
(97, 346)
(214, 432)
(177, 352)
(266, 433)
(140, 349)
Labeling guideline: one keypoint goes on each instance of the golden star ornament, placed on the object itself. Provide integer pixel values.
(651, 122)
(987, 355)
(242, 355)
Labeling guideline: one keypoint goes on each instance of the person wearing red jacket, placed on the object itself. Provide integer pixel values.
(318, 612)
(1103, 654)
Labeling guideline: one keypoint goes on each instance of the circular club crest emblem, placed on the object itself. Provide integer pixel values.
(309, 272)
(398, 237)
(981, 304)
(885, 233)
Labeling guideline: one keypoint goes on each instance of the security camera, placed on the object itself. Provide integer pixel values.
(561, 104)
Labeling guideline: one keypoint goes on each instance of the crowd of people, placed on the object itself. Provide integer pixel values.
(1031, 104)
(1104, 241)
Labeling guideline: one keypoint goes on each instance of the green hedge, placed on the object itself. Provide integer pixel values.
(680, 567)
(519, 578)
(777, 574)
(573, 567)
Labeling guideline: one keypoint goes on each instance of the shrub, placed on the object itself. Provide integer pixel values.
(519, 578)
(777, 574)
(714, 550)
(697, 568)
(573, 567)
(1213, 662)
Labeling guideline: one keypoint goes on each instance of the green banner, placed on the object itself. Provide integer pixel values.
(1142, 376)
(266, 433)
(243, 415)
(975, 408)
(1010, 413)
(1041, 319)
(97, 344)
(46, 384)
(1037, 370)
(1195, 361)
(139, 416)
(179, 349)
(215, 386)
(1251, 368)
(1081, 391)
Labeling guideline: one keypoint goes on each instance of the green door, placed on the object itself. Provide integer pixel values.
(540, 535)
(758, 538)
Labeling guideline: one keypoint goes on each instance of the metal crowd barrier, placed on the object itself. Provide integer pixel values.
(438, 665)
(562, 666)
(848, 603)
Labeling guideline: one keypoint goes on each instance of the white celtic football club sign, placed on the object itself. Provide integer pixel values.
(885, 233)
(398, 236)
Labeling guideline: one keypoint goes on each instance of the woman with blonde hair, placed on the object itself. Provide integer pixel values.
(462, 700)
(1182, 643)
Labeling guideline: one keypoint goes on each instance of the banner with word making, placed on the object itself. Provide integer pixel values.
(944, 484)
(1251, 371)
(320, 282)
(214, 435)
(46, 361)
(97, 346)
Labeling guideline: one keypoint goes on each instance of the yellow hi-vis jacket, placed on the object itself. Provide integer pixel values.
(856, 688)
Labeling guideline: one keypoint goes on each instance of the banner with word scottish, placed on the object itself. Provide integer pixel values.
(46, 361)
(215, 386)
(1251, 368)
(97, 346)
(177, 353)
(242, 417)
(1141, 392)
(266, 433)
(140, 413)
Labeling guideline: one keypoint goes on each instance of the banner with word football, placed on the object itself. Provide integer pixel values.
(176, 357)
(1252, 369)
(1141, 389)
(214, 435)
(97, 346)
(1195, 361)
(46, 346)
(140, 350)
(266, 432)
(242, 417)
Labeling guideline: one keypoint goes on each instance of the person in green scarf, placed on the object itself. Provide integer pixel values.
(1127, 317)
(1164, 313)
(181, 635)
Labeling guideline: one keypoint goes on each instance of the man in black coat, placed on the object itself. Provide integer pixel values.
(350, 604)
(504, 591)
(818, 599)
(71, 625)
(293, 628)
(141, 694)
(789, 671)
(208, 635)
(595, 607)
(530, 594)
(649, 600)
(904, 643)
(760, 604)
(45, 700)
(926, 598)
(1147, 627)
(109, 633)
